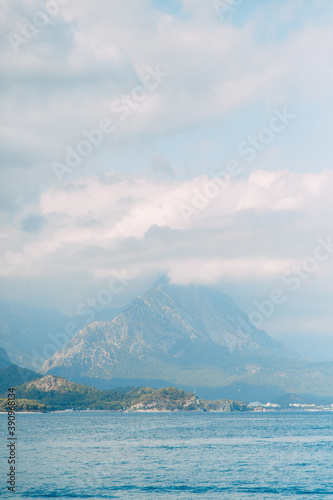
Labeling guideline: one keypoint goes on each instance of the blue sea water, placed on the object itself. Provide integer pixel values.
(236, 456)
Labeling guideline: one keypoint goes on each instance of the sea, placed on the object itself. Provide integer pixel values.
(134, 456)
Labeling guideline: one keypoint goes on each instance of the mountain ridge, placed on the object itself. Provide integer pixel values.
(26, 331)
(176, 335)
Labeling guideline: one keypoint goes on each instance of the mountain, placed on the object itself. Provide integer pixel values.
(192, 337)
(4, 359)
(24, 331)
(13, 375)
(32, 334)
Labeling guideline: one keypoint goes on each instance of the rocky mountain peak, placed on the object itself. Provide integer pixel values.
(165, 334)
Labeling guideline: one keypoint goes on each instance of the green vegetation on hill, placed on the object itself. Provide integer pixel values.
(55, 393)
(22, 405)
(224, 405)
(166, 399)
(78, 397)
(14, 375)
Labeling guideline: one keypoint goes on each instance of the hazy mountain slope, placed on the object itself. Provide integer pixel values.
(13, 375)
(25, 331)
(178, 334)
(4, 359)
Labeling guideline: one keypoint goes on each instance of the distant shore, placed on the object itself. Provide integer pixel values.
(264, 410)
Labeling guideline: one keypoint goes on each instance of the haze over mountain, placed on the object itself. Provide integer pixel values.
(12, 375)
(175, 322)
(30, 335)
(23, 330)
(4, 359)
(191, 337)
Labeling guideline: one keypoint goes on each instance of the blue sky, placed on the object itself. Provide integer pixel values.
(182, 92)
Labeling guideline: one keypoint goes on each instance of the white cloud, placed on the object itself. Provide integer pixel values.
(214, 69)
(255, 228)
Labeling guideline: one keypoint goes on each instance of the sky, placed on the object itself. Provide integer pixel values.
(183, 138)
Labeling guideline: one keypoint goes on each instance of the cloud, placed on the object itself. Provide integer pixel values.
(253, 229)
(66, 78)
